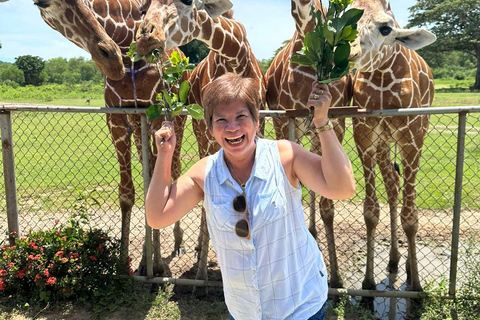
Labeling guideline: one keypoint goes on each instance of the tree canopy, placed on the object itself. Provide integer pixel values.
(455, 23)
(32, 67)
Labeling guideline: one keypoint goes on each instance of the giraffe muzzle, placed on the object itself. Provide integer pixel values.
(148, 38)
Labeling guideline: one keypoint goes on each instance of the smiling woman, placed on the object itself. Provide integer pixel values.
(252, 197)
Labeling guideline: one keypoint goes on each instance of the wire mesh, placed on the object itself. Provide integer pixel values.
(66, 161)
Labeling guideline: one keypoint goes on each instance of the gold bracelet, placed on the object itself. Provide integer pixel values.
(325, 127)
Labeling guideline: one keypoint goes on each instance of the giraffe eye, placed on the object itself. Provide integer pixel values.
(385, 30)
(42, 4)
(187, 2)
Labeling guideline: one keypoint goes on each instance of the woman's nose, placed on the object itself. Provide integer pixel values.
(232, 126)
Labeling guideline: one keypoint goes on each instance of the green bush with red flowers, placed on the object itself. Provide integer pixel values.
(66, 261)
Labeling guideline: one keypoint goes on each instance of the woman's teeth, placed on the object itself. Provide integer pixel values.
(236, 140)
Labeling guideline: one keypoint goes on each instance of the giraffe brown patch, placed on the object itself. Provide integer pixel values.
(207, 31)
(115, 11)
(69, 15)
(110, 27)
(69, 34)
(177, 37)
(99, 8)
(130, 23)
(184, 25)
(218, 39)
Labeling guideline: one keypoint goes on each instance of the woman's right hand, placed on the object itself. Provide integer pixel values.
(165, 138)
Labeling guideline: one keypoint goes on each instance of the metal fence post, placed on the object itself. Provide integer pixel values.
(9, 175)
(457, 202)
(291, 129)
(146, 183)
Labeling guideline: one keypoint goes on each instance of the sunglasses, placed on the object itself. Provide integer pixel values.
(242, 227)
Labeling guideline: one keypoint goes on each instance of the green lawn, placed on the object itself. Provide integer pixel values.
(58, 155)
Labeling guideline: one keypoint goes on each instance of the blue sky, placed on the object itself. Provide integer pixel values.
(268, 24)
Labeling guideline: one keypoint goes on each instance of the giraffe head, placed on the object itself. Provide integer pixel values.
(171, 23)
(379, 33)
(76, 22)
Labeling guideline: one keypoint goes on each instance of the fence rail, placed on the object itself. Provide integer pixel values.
(18, 123)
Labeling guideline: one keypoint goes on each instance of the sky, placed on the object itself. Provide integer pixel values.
(268, 24)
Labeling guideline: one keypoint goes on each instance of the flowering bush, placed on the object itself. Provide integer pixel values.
(62, 262)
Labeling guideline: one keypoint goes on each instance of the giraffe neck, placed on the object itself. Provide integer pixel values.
(119, 18)
(379, 59)
(227, 38)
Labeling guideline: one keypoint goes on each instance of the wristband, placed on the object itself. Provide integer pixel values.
(325, 127)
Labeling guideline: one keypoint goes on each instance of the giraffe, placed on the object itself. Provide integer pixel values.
(170, 23)
(288, 87)
(390, 75)
(111, 26)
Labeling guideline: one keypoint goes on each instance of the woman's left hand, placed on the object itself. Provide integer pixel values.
(319, 99)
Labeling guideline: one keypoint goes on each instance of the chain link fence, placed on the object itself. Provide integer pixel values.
(64, 161)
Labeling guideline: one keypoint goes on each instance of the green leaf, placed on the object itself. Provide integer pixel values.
(178, 108)
(195, 110)
(167, 98)
(154, 111)
(301, 60)
(346, 31)
(352, 36)
(183, 92)
(175, 57)
(341, 55)
(352, 16)
(133, 49)
(171, 70)
(313, 44)
(137, 57)
(329, 32)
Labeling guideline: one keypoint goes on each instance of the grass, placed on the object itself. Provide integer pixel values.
(51, 168)
(80, 155)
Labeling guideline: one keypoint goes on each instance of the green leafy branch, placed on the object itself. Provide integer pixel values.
(327, 48)
(170, 103)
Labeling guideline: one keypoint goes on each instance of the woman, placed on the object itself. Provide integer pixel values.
(271, 265)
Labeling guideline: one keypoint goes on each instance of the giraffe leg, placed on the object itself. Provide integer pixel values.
(179, 125)
(409, 214)
(365, 139)
(392, 182)
(203, 257)
(121, 137)
(312, 219)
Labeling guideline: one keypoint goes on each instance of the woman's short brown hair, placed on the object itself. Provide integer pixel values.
(227, 88)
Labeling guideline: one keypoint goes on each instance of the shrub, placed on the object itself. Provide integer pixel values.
(62, 262)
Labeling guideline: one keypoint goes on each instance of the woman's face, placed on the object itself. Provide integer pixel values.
(234, 129)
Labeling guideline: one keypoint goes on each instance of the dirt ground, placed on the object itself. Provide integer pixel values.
(433, 246)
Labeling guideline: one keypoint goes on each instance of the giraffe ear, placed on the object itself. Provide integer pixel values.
(414, 38)
(216, 8)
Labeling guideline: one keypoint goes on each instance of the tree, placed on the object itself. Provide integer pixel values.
(195, 50)
(11, 73)
(455, 23)
(56, 69)
(32, 68)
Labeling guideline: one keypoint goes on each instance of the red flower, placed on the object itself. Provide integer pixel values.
(64, 260)
(37, 277)
(51, 280)
(20, 274)
(33, 245)
(10, 265)
(3, 272)
(59, 253)
(74, 255)
(5, 246)
(80, 244)
(129, 261)
(57, 221)
(92, 258)
(100, 247)
(130, 271)
(46, 273)
(3, 285)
